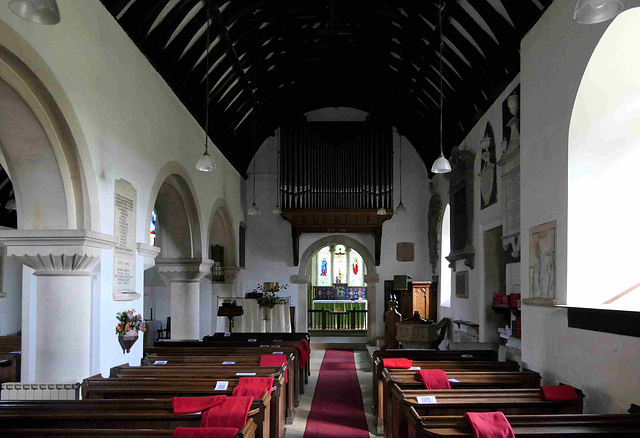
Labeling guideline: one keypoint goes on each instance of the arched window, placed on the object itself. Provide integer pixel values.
(603, 178)
(339, 264)
(444, 283)
(152, 228)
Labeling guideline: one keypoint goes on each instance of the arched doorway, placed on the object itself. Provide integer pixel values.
(305, 272)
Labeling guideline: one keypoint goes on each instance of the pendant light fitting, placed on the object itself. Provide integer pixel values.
(441, 165)
(277, 209)
(36, 11)
(254, 210)
(205, 163)
(596, 11)
(401, 209)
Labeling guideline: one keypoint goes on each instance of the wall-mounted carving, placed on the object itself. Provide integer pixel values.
(433, 232)
(461, 200)
(488, 189)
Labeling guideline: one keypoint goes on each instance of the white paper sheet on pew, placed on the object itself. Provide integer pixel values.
(222, 385)
(277, 346)
(414, 368)
(245, 374)
(427, 400)
(252, 340)
(454, 380)
(265, 346)
(278, 352)
(227, 334)
(229, 363)
(160, 362)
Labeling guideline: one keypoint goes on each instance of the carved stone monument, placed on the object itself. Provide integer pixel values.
(488, 169)
(124, 253)
(461, 199)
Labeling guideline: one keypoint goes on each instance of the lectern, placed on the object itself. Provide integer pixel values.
(230, 309)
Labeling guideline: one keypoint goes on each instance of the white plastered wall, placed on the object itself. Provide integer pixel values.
(128, 124)
(554, 55)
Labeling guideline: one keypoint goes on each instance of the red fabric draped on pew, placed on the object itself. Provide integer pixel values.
(434, 379)
(274, 360)
(306, 346)
(189, 405)
(397, 363)
(253, 386)
(232, 413)
(489, 425)
(559, 393)
(304, 356)
(205, 432)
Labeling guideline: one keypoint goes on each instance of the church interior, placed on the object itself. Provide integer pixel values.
(398, 203)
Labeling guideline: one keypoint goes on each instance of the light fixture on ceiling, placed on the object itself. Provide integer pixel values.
(441, 165)
(400, 209)
(254, 210)
(277, 209)
(36, 11)
(205, 163)
(596, 11)
(10, 205)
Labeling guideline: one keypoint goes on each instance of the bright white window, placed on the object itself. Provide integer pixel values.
(444, 284)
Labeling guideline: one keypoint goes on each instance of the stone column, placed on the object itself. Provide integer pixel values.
(371, 280)
(63, 260)
(303, 305)
(184, 275)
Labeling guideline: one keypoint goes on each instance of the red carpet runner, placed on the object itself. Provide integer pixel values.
(336, 410)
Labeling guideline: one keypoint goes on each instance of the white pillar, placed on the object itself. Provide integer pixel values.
(184, 276)
(303, 305)
(62, 260)
(371, 280)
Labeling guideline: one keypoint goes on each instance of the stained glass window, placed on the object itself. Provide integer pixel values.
(340, 264)
(356, 269)
(152, 228)
(324, 267)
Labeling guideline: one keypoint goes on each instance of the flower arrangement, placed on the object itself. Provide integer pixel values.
(129, 321)
(269, 298)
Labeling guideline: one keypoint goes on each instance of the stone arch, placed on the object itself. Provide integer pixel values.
(221, 231)
(371, 278)
(174, 189)
(36, 139)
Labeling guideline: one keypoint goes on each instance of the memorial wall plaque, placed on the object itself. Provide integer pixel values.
(124, 253)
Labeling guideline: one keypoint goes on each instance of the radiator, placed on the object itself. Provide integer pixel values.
(40, 391)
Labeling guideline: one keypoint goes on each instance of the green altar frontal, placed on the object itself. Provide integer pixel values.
(336, 307)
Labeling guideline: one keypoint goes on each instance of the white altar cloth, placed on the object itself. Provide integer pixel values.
(253, 318)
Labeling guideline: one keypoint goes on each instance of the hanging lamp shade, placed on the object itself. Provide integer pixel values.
(277, 210)
(381, 211)
(205, 163)
(401, 209)
(10, 205)
(36, 11)
(596, 11)
(253, 210)
(441, 165)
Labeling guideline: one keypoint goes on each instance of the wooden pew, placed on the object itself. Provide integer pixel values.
(278, 409)
(90, 418)
(97, 387)
(526, 401)
(203, 350)
(529, 426)
(271, 337)
(419, 354)
(446, 366)
(250, 342)
(214, 360)
(9, 367)
(406, 380)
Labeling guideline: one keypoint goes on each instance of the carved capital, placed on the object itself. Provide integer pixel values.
(149, 253)
(56, 250)
(372, 278)
(183, 270)
(299, 279)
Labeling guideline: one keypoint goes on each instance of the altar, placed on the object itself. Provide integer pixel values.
(340, 306)
(253, 318)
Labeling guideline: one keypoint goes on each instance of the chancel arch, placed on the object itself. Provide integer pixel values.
(306, 270)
